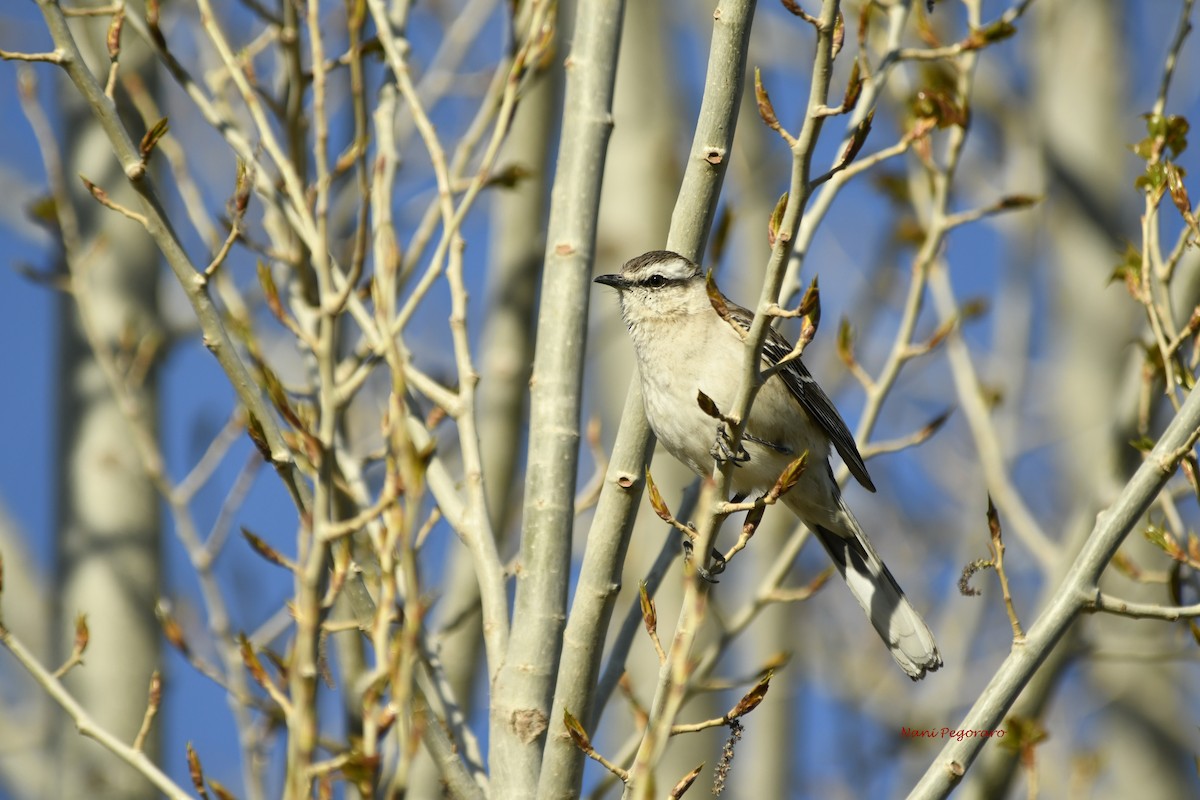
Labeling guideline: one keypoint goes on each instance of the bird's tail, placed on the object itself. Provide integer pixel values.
(898, 623)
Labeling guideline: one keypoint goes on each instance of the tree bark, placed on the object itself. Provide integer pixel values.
(109, 523)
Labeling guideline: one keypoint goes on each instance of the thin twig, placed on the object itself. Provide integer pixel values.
(84, 722)
(1097, 601)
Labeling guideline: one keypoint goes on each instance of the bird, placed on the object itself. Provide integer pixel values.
(686, 350)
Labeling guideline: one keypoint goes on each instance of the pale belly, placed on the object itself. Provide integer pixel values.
(689, 434)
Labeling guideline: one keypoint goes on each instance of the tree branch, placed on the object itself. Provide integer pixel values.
(1076, 592)
(87, 726)
(616, 510)
(160, 229)
(523, 690)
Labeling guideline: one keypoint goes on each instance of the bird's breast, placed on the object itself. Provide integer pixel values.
(674, 372)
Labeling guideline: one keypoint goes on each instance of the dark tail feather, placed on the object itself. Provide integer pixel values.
(898, 623)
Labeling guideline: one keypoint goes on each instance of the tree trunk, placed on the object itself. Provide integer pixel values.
(109, 523)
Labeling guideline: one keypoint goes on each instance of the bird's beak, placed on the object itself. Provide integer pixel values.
(615, 281)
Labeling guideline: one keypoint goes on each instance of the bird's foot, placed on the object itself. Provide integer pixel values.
(722, 449)
(718, 563)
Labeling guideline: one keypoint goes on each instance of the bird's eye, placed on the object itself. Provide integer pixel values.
(656, 281)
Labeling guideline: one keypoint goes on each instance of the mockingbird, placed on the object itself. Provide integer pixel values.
(685, 347)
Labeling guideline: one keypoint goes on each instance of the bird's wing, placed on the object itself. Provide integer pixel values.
(811, 397)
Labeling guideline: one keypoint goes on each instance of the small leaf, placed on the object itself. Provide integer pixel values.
(857, 140)
(510, 176)
(934, 425)
(989, 34)
(270, 290)
(686, 781)
(1143, 444)
(790, 475)
(942, 332)
(1129, 270)
(44, 211)
(765, 109)
(864, 25)
(1175, 135)
(257, 435)
(156, 34)
(241, 177)
(715, 297)
(753, 520)
(1023, 734)
(1162, 539)
(152, 137)
(854, 86)
(241, 189)
(649, 613)
(82, 636)
(839, 34)
(778, 661)
(810, 304)
(753, 697)
(938, 107)
(1126, 566)
(893, 185)
(265, 550)
(113, 39)
(1153, 180)
(656, 499)
(973, 308)
(794, 8)
(578, 734)
(776, 219)
(196, 771)
(172, 630)
(361, 768)
(96, 191)
(156, 687)
(276, 393)
(277, 662)
(816, 583)
(1144, 149)
(707, 405)
(993, 396)
(925, 28)
(1179, 193)
(1014, 201)
(1193, 323)
(219, 790)
(908, 230)
(1166, 133)
(250, 659)
(845, 342)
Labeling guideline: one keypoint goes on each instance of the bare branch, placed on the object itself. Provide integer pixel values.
(84, 722)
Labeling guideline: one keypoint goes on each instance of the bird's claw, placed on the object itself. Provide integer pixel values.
(722, 450)
(718, 563)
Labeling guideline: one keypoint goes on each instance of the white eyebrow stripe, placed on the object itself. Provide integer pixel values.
(674, 270)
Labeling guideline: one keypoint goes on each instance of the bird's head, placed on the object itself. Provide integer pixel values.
(659, 285)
